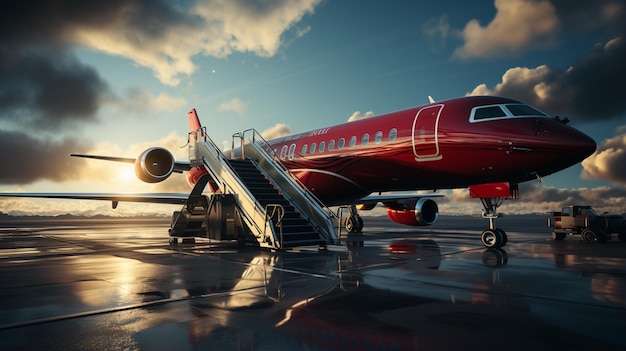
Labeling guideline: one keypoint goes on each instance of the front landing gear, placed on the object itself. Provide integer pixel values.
(492, 196)
(493, 238)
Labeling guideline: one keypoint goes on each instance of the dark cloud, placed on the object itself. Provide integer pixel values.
(47, 89)
(27, 23)
(26, 159)
(578, 16)
(43, 83)
(591, 89)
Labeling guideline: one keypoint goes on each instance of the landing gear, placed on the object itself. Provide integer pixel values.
(354, 222)
(493, 238)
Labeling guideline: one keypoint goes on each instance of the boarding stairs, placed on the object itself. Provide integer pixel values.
(278, 211)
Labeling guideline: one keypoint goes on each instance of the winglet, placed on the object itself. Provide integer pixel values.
(430, 99)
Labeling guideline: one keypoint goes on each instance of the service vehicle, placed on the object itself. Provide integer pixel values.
(583, 221)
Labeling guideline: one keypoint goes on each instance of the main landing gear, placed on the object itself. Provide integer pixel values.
(353, 222)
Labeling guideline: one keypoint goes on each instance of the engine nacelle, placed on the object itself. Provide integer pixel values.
(416, 212)
(154, 165)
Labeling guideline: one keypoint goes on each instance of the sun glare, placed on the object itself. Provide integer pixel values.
(126, 174)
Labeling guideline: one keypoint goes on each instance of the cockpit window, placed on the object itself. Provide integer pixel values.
(524, 110)
(490, 112)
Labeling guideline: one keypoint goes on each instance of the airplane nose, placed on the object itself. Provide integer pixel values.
(570, 142)
(586, 146)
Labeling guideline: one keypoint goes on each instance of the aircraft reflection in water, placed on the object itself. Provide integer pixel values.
(412, 300)
(377, 293)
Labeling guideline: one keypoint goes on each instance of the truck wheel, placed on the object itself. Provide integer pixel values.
(622, 236)
(593, 236)
(558, 236)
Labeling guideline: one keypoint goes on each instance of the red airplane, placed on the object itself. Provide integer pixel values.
(487, 144)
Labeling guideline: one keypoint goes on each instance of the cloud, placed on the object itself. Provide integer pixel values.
(437, 30)
(592, 89)
(535, 198)
(608, 162)
(517, 25)
(43, 84)
(522, 25)
(139, 99)
(357, 115)
(160, 35)
(32, 159)
(578, 16)
(27, 207)
(277, 131)
(235, 105)
(48, 89)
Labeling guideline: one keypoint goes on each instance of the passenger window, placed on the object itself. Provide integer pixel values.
(283, 152)
(488, 112)
(313, 146)
(365, 139)
(322, 146)
(292, 151)
(304, 147)
(331, 145)
(378, 138)
(342, 142)
(353, 141)
(393, 133)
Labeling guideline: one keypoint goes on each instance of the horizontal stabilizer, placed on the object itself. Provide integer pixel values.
(179, 166)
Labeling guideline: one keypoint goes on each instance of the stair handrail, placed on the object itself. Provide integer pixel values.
(278, 212)
(276, 160)
(215, 150)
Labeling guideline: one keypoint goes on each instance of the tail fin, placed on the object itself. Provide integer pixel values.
(194, 121)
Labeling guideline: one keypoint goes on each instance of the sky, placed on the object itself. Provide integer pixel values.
(117, 77)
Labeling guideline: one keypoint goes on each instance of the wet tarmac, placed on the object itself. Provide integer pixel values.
(118, 285)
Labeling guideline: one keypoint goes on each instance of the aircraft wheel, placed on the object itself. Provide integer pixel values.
(354, 224)
(359, 221)
(503, 236)
(491, 239)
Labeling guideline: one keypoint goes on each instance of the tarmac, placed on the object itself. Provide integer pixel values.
(119, 285)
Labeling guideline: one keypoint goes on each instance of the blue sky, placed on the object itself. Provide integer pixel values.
(119, 77)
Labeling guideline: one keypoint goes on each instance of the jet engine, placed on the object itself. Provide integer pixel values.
(419, 212)
(154, 165)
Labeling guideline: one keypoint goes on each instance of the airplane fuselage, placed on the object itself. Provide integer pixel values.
(450, 144)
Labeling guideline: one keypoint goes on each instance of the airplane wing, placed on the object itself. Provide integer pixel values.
(158, 198)
(179, 166)
(374, 199)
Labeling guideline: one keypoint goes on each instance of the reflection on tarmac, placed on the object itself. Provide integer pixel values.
(392, 288)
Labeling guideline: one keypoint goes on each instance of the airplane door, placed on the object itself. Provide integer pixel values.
(425, 140)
